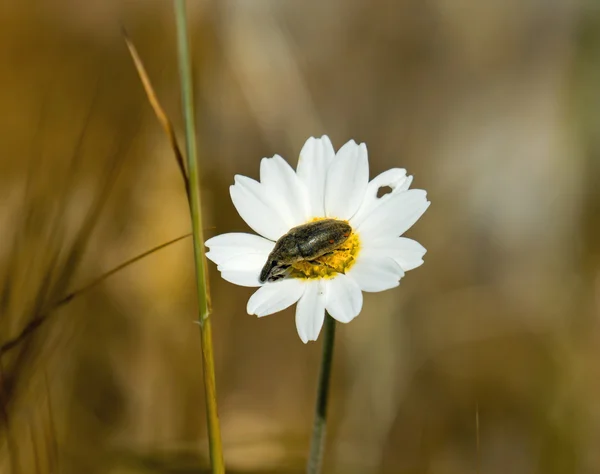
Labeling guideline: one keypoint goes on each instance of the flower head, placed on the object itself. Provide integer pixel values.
(325, 235)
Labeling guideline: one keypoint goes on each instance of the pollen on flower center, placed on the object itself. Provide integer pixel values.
(338, 260)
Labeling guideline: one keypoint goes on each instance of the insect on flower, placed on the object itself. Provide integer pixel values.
(325, 235)
(305, 242)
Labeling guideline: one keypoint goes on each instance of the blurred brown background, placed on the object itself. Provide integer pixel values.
(485, 360)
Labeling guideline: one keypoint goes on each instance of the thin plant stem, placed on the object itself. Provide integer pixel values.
(208, 365)
(317, 441)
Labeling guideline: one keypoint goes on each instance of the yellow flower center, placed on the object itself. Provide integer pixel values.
(338, 260)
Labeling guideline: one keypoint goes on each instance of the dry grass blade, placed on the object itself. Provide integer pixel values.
(158, 110)
(63, 260)
(14, 260)
(38, 321)
(13, 461)
(52, 436)
(34, 213)
(118, 268)
(37, 458)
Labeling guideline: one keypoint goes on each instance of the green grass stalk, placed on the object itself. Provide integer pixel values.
(317, 441)
(185, 73)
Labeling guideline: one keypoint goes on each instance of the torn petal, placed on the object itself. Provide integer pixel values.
(395, 179)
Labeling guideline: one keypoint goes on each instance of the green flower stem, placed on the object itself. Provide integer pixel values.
(317, 441)
(185, 73)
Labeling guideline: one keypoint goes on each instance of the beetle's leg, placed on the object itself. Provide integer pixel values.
(317, 262)
(279, 272)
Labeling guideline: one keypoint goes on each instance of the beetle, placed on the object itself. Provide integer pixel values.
(305, 242)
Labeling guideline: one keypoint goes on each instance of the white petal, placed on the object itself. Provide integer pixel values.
(344, 298)
(404, 186)
(310, 311)
(281, 180)
(226, 246)
(347, 180)
(274, 297)
(395, 216)
(242, 277)
(375, 273)
(257, 207)
(239, 257)
(407, 253)
(249, 262)
(315, 158)
(395, 179)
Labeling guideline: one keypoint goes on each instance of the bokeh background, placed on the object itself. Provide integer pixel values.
(485, 360)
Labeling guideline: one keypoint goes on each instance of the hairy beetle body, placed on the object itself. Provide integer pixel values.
(304, 242)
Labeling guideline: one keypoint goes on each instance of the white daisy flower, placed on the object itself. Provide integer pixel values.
(324, 234)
